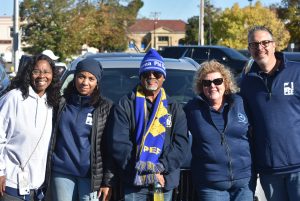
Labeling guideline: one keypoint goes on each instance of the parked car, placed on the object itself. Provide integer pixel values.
(4, 79)
(225, 55)
(120, 75)
(245, 52)
(292, 56)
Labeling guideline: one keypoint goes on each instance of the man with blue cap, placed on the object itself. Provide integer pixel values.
(149, 134)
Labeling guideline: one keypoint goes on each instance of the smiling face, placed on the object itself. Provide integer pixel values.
(41, 77)
(214, 93)
(262, 48)
(152, 82)
(85, 83)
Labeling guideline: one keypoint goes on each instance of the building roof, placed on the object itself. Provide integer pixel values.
(146, 25)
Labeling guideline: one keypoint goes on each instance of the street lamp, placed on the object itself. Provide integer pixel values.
(201, 24)
(155, 18)
(154, 40)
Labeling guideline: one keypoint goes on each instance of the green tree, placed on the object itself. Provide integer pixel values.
(45, 24)
(192, 29)
(65, 25)
(289, 12)
(232, 26)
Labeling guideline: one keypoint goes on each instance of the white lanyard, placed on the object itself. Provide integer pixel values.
(23, 166)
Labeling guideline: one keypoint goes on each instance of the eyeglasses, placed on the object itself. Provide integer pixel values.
(156, 74)
(264, 43)
(217, 81)
(39, 72)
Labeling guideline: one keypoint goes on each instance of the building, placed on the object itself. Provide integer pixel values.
(145, 34)
(6, 41)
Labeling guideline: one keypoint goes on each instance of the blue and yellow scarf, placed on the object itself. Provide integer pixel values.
(150, 136)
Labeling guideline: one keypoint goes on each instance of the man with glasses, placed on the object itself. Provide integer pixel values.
(271, 90)
(149, 134)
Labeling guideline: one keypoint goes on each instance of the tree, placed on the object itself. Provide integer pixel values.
(45, 25)
(289, 12)
(65, 25)
(192, 29)
(232, 26)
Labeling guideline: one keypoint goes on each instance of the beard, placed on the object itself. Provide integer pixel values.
(152, 87)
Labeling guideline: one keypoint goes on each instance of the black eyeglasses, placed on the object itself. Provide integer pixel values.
(217, 81)
(264, 43)
(156, 74)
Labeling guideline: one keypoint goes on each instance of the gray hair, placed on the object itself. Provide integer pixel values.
(254, 29)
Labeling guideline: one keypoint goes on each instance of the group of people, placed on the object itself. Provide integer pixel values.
(80, 145)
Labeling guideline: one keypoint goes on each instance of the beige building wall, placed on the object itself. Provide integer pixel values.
(6, 41)
(156, 39)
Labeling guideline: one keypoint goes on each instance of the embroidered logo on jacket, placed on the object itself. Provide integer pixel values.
(288, 88)
(242, 118)
(89, 119)
(169, 121)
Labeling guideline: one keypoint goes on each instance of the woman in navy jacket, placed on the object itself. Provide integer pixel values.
(221, 159)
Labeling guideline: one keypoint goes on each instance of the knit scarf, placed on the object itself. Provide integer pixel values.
(150, 136)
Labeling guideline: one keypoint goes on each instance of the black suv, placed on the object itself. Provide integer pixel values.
(227, 56)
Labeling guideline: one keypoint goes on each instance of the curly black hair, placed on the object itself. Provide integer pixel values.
(23, 80)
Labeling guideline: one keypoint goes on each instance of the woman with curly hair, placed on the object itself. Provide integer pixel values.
(221, 160)
(25, 129)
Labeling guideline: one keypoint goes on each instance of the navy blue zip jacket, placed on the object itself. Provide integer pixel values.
(122, 130)
(217, 155)
(275, 117)
(74, 148)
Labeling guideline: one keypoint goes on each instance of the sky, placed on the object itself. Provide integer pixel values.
(164, 9)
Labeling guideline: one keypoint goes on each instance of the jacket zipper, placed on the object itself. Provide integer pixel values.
(265, 81)
(224, 142)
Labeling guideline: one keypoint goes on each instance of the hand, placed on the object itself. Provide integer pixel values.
(105, 192)
(2, 185)
(160, 179)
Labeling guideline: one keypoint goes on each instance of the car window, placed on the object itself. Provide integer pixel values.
(198, 54)
(231, 53)
(173, 52)
(179, 85)
(218, 55)
(116, 82)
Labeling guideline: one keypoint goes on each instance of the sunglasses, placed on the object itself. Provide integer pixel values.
(217, 81)
(156, 74)
(263, 43)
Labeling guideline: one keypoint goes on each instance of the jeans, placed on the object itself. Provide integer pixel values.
(236, 190)
(281, 187)
(133, 193)
(70, 188)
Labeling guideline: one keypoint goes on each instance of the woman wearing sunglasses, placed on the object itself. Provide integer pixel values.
(221, 160)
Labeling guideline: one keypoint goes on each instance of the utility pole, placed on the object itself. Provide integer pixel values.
(155, 18)
(250, 2)
(201, 24)
(16, 39)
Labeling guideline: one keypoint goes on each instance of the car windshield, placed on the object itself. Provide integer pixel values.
(116, 82)
(235, 54)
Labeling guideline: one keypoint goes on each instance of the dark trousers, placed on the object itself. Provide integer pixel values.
(7, 197)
